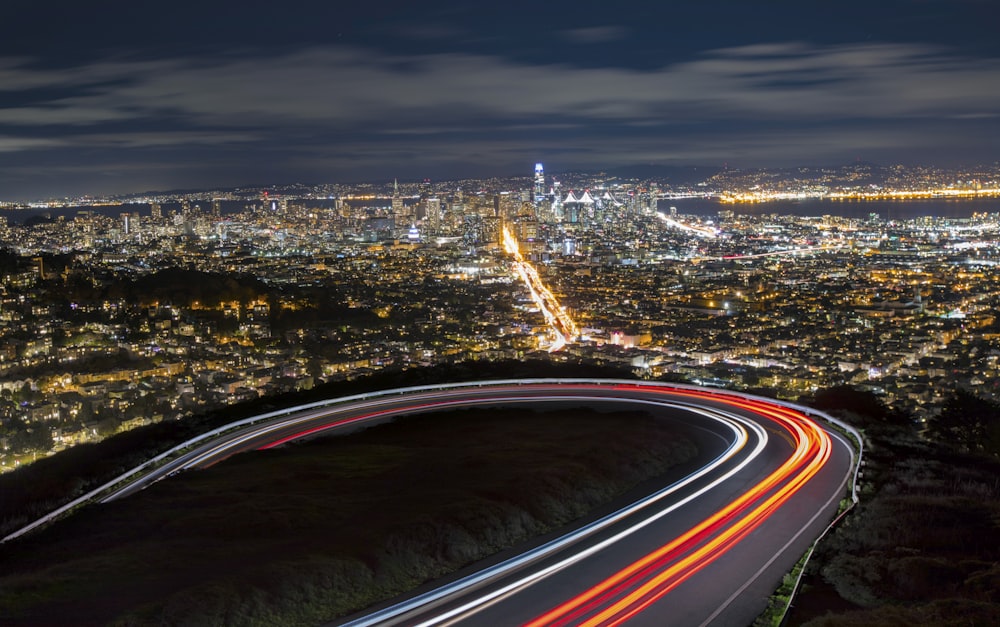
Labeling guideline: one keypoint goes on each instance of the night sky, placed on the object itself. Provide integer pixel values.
(110, 97)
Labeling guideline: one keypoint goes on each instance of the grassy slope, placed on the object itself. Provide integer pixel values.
(303, 533)
(921, 549)
(38, 488)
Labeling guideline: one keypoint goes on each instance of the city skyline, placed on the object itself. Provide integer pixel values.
(103, 331)
(119, 99)
(802, 186)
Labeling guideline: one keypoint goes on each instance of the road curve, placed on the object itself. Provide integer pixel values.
(706, 550)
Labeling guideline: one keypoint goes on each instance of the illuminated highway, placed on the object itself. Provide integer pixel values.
(563, 327)
(805, 250)
(707, 549)
(700, 231)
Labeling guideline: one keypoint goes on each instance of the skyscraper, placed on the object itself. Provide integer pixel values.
(397, 200)
(539, 182)
(130, 225)
(432, 215)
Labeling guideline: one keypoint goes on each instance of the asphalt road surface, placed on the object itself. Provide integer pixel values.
(706, 550)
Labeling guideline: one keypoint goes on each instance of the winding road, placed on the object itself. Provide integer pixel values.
(707, 549)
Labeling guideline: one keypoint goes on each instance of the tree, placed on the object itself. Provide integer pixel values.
(863, 404)
(968, 422)
(25, 394)
(107, 426)
(36, 438)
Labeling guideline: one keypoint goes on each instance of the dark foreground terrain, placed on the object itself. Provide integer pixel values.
(315, 530)
(923, 547)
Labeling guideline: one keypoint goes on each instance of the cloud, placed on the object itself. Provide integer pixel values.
(347, 86)
(156, 140)
(323, 102)
(21, 144)
(70, 112)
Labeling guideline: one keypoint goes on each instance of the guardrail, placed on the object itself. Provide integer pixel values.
(859, 440)
(93, 494)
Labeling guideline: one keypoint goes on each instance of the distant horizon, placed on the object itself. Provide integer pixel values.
(615, 171)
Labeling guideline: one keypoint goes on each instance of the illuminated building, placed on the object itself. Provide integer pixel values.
(432, 215)
(130, 225)
(397, 200)
(472, 230)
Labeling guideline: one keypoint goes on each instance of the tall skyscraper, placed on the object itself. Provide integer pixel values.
(539, 182)
(130, 226)
(432, 215)
(397, 200)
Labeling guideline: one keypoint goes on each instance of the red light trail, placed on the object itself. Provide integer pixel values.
(639, 585)
(642, 583)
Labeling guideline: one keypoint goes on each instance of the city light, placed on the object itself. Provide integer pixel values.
(562, 326)
(871, 292)
(700, 231)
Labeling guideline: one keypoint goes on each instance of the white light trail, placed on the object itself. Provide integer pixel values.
(790, 251)
(700, 231)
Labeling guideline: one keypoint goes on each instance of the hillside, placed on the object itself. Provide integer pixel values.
(307, 532)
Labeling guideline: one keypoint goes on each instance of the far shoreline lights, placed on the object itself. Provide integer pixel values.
(764, 196)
